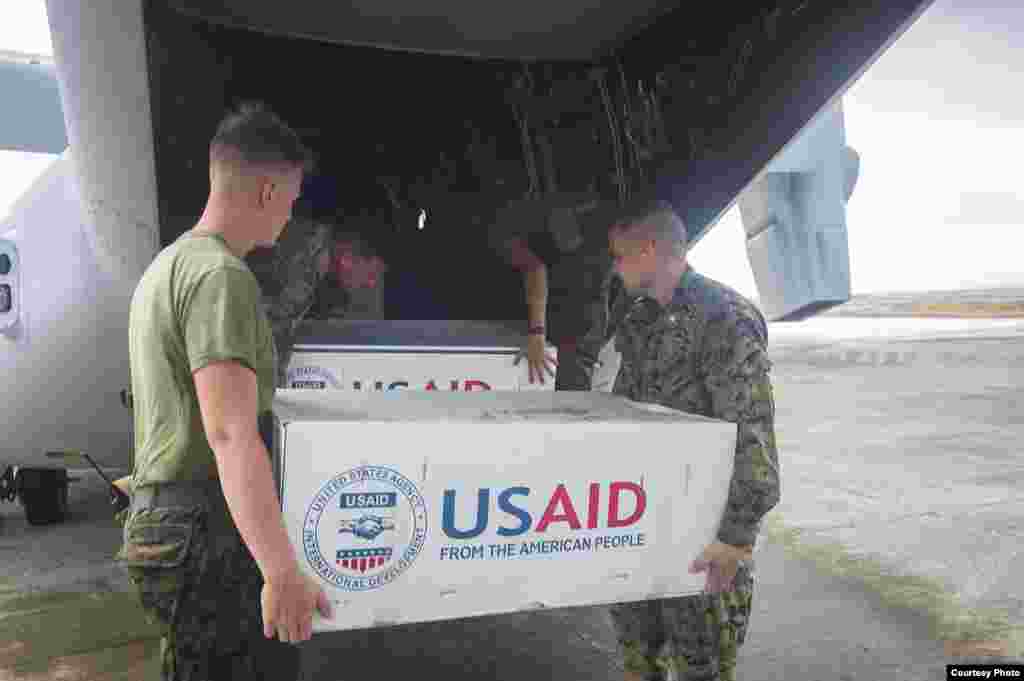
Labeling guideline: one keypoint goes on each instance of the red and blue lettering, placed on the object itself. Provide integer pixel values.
(453, 385)
(560, 509)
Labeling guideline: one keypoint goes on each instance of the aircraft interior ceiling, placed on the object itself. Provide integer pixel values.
(397, 133)
(414, 109)
(689, 97)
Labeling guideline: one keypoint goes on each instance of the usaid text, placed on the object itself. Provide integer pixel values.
(603, 507)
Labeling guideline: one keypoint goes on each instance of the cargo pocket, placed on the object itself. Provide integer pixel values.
(158, 538)
(157, 545)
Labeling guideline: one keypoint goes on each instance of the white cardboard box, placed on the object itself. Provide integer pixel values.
(382, 355)
(590, 499)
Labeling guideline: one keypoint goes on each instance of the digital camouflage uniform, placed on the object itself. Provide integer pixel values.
(705, 353)
(568, 232)
(196, 304)
(333, 301)
(289, 279)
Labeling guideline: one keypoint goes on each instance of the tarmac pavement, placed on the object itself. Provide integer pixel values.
(899, 536)
(902, 463)
(75, 619)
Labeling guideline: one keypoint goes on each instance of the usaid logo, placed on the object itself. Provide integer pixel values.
(311, 377)
(560, 508)
(364, 528)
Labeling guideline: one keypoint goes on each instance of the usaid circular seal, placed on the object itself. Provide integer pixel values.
(311, 377)
(364, 528)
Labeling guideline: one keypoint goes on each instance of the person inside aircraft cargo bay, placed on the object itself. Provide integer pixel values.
(205, 543)
(312, 273)
(693, 344)
(559, 243)
(358, 264)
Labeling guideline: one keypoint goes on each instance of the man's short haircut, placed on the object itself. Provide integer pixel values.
(657, 220)
(254, 135)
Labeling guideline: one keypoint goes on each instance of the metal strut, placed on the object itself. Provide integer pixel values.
(629, 122)
(524, 128)
(598, 76)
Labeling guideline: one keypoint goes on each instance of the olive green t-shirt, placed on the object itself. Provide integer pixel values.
(196, 304)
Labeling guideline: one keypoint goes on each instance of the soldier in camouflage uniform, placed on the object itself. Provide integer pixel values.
(560, 243)
(204, 541)
(311, 274)
(289, 275)
(357, 267)
(692, 344)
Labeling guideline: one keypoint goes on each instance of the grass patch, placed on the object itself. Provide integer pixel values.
(989, 310)
(948, 618)
(103, 634)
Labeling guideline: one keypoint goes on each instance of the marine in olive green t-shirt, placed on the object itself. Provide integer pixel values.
(197, 304)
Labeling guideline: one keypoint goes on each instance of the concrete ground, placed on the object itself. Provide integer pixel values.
(898, 537)
(903, 463)
(69, 615)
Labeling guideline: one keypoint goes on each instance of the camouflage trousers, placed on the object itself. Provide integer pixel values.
(576, 366)
(694, 638)
(200, 584)
(578, 355)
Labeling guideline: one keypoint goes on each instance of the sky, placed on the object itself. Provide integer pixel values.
(938, 121)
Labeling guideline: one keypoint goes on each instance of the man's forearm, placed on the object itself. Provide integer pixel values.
(537, 295)
(248, 483)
